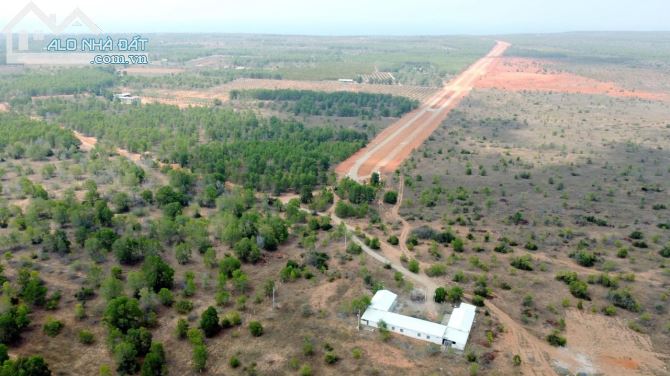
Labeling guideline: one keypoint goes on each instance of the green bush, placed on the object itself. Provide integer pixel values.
(609, 310)
(234, 362)
(524, 262)
(209, 322)
(184, 306)
(86, 337)
(579, 289)
(555, 339)
(584, 258)
(255, 328)
(52, 327)
(440, 295)
(623, 298)
(391, 197)
(455, 294)
(436, 270)
(413, 266)
(393, 240)
(331, 358)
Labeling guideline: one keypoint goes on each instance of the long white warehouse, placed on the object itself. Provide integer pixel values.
(455, 334)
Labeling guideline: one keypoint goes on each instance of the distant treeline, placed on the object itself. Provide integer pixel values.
(196, 79)
(340, 103)
(266, 154)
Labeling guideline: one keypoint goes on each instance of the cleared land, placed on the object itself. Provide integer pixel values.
(204, 97)
(519, 74)
(387, 151)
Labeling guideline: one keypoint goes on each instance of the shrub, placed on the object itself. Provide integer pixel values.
(199, 357)
(86, 337)
(413, 266)
(478, 301)
(579, 289)
(305, 370)
(209, 322)
(182, 328)
(234, 362)
(393, 240)
(457, 244)
(391, 197)
(126, 358)
(155, 363)
(455, 294)
(184, 306)
(584, 258)
(52, 327)
(566, 276)
(255, 328)
(609, 310)
(165, 297)
(623, 298)
(440, 295)
(531, 246)
(524, 262)
(354, 249)
(503, 248)
(436, 270)
(665, 252)
(555, 339)
(123, 313)
(331, 358)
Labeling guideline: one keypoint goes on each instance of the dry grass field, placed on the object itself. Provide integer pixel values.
(552, 175)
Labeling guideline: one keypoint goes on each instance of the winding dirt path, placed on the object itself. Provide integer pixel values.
(395, 213)
(89, 142)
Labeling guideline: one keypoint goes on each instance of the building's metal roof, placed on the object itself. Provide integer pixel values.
(459, 325)
(393, 319)
(383, 300)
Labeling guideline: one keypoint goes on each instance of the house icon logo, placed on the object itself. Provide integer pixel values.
(22, 53)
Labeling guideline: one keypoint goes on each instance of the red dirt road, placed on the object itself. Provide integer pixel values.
(390, 148)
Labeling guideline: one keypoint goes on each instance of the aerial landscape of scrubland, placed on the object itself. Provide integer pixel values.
(243, 203)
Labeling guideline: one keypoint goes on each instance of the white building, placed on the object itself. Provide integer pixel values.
(454, 334)
(127, 98)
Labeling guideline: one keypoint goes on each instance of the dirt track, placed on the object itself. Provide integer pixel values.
(387, 151)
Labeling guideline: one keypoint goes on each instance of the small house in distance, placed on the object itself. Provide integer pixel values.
(127, 98)
(455, 334)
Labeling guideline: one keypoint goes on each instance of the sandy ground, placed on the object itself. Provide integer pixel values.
(390, 148)
(519, 74)
(606, 345)
(184, 98)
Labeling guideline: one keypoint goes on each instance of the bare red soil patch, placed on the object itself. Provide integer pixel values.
(4, 107)
(519, 74)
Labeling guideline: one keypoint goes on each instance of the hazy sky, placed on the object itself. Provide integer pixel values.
(346, 17)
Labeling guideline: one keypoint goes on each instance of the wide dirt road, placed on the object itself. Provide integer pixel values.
(387, 151)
